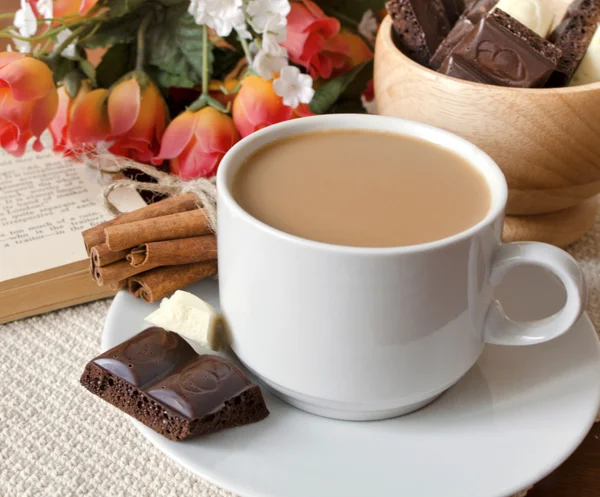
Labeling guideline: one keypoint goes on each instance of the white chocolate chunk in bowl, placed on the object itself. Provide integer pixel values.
(537, 15)
(589, 68)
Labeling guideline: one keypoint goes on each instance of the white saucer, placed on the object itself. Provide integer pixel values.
(510, 421)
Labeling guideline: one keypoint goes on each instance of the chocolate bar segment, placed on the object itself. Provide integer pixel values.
(507, 52)
(461, 68)
(573, 36)
(158, 378)
(454, 9)
(419, 27)
(465, 24)
(152, 354)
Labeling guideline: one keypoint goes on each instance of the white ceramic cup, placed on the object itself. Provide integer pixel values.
(371, 333)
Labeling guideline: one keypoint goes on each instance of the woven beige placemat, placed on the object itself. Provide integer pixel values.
(58, 440)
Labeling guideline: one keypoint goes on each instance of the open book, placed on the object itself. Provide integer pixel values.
(45, 204)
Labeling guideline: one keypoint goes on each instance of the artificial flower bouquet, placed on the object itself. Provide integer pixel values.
(178, 82)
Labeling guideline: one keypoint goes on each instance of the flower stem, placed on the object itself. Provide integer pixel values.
(246, 49)
(141, 42)
(205, 81)
(5, 33)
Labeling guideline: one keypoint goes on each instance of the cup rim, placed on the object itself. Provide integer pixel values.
(472, 154)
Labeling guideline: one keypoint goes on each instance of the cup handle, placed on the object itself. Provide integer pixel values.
(499, 329)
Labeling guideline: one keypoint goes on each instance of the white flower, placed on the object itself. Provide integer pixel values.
(274, 34)
(293, 86)
(220, 15)
(70, 50)
(369, 106)
(265, 64)
(368, 25)
(260, 11)
(20, 45)
(25, 20)
(45, 8)
(240, 26)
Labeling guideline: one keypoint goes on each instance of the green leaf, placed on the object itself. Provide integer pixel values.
(114, 31)
(72, 83)
(359, 84)
(60, 66)
(170, 3)
(328, 94)
(350, 11)
(119, 8)
(116, 62)
(176, 46)
(88, 69)
(165, 79)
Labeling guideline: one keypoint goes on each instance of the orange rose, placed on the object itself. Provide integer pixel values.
(257, 106)
(59, 127)
(138, 116)
(63, 8)
(196, 142)
(28, 101)
(358, 50)
(89, 120)
(312, 42)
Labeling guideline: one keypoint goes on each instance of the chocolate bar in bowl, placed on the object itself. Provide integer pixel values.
(476, 11)
(502, 51)
(454, 9)
(573, 36)
(157, 378)
(419, 26)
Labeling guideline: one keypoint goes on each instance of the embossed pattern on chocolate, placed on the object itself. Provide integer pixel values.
(465, 24)
(160, 380)
(506, 52)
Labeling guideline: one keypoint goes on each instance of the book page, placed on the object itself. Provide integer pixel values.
(46, 202)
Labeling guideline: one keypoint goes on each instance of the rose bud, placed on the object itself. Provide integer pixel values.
(59, 127)
(28, 101)
(196, 142)
(138, 116)
(257, 106)
(89, 120)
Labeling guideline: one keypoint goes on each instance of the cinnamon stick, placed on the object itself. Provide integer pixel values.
(102, 256)
(115, 272)
(181, 203)
(181, 225)
(160, 282)
(174, 252)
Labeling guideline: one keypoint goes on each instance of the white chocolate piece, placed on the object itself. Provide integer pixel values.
(189, 316)
(589, 68)
(537, 15)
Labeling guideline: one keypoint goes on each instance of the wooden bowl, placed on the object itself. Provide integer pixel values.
(547, 141)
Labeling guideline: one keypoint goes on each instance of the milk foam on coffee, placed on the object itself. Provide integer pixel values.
(361, 188)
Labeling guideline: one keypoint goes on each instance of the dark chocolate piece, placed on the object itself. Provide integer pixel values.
(507, 52)
(465, 24)
(459, 67)
(573, 36)
(454, 8)
(419, 27)
(158, 378)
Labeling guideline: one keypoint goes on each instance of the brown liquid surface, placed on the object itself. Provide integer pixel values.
(362, 189)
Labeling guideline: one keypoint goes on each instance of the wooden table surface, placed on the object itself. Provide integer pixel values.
(579, 476)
